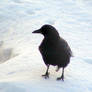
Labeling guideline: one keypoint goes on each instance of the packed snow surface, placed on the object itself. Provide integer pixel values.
(21, 64)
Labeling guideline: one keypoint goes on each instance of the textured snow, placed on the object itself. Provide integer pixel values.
(21, 64)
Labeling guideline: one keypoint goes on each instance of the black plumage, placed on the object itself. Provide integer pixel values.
(54, 49)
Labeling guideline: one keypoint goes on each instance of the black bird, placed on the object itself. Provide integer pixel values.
(54, 49)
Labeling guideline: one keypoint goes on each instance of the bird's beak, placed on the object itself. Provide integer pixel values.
(37, 31)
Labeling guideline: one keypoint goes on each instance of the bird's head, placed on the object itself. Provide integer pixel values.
(47, 30)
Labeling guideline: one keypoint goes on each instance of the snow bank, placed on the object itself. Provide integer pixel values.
(21, 63)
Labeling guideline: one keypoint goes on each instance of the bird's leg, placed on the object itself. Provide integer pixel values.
(46, 75)
(62, 76)
(57, 69)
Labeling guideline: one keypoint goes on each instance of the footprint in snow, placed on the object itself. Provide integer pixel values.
(30, 12)
(6, 54)
(88, 60)
(52, 22)
(17, 1)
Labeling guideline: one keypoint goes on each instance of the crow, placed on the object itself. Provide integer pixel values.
(54, 49)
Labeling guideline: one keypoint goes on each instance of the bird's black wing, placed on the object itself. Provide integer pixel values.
(64, 45)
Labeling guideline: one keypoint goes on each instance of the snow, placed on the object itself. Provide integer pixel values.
(21, 64)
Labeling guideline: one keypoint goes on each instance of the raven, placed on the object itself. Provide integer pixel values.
(54, 49)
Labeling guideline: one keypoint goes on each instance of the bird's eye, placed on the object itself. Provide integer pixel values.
(44, 31)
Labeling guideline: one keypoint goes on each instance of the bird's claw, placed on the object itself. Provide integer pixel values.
(46, 75)
(59, 78)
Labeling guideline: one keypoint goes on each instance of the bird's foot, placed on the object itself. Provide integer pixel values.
(46, 75)
(62, 77)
